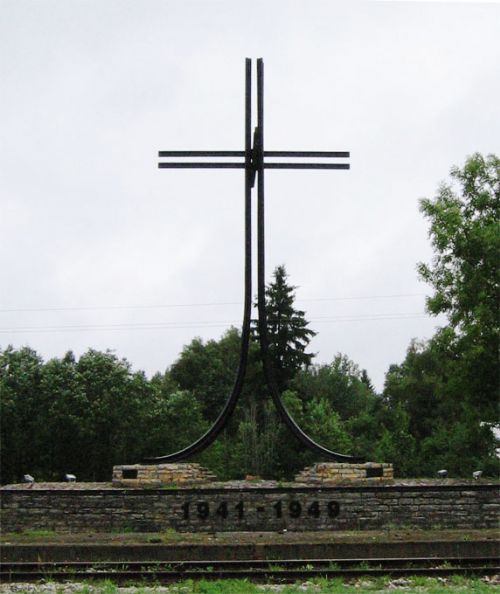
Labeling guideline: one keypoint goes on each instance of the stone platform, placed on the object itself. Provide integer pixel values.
(160, 475)
(331, 473)
(190, 474)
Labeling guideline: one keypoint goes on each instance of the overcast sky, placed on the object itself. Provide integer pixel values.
(101, 249)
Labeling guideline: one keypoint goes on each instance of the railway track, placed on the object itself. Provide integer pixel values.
(255, 570)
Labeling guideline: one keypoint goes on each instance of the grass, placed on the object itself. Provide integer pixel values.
(381, 585)
(40, 533)
(170, 486)
(171, 536)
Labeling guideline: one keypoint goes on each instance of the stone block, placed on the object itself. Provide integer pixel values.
(159, 475)
(329, 473)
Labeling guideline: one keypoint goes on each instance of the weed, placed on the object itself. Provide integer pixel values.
(381, 582)
(39, 533)
(108, 587)
(328, 585)
(458, 580)
(170, 486)
(122, 530)
(423, 582)
(225, 587)
(445, 565)
(422, 585)
(170, 531)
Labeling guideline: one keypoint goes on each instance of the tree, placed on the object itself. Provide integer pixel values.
(115, 412)
(325, 426)
(288, 332)
(447, 387)
(207, 370)
(416, 386)
(67, 428)
(340, 383)
(21, 414)
(465, 275)
(174, 422)
(397, 444)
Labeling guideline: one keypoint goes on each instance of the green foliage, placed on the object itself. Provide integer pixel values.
(381, 585)
(21, 412)
(208, 370)
(326, 427)
(340, 383)
(83, 416)
(461, 448)
(256, 442)
(115, 400)
(440, 396)
(70, 416)
(465, 234)
(287, 328)
(172, 421)
(39, 533)
(465, 275)
(413, 386)
(397, 444)
(428, 412)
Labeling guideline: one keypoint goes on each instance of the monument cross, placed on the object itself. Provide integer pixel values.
(253, 161)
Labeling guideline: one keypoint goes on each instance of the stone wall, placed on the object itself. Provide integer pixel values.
(241, 508)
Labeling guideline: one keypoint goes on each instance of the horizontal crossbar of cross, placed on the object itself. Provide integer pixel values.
(242, 164)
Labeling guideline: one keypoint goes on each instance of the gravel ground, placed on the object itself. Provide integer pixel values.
(221, 538)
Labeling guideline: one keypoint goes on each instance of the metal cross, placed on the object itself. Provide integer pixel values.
(253, 161)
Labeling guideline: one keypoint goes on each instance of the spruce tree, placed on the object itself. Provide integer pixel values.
(287, 328)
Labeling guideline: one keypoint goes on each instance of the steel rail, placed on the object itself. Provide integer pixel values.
(387, 562)
(270, 570)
